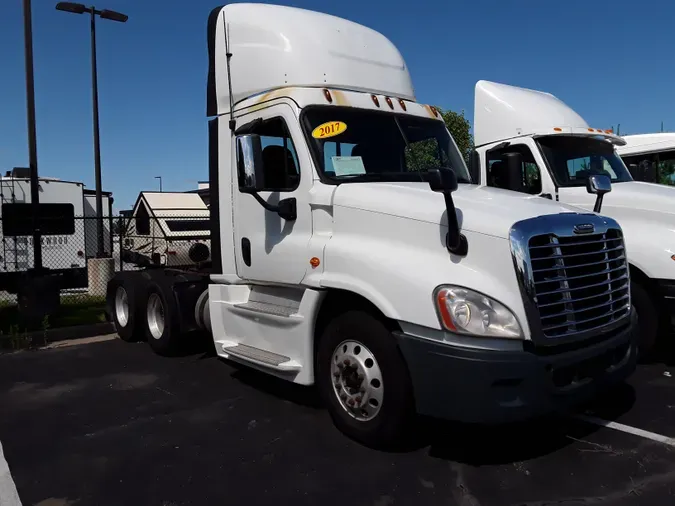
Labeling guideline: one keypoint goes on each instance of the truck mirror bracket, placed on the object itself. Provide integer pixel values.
(286, 208)
(445, 181)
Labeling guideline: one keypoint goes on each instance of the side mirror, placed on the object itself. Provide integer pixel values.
(250, 163)
(474, 167)
(445, 181)
(514, 171)
(598, 184)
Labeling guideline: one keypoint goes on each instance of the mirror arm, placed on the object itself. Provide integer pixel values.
(455, 241)
(286, 209)
(598, 203)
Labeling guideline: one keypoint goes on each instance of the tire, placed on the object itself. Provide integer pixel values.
(387, 397)
(162, 328)
(122, 299)
(649, 320)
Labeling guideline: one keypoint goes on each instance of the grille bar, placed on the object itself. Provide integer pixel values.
(578, 254)
(579, 284)
(573, 266)
(567, 289)
(584, 243)
(561, 278)
(623, 297)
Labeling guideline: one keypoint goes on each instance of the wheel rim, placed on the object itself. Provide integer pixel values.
(121, 306)
(357, 380)
(155, 316)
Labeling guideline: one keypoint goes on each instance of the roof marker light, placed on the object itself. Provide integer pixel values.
(375, 100)
(402, 104)
(326, 94)
(591, 130)
(557, 129)
(389, 103)
(435, 111)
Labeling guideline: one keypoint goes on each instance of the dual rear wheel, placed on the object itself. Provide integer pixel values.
(144, 313)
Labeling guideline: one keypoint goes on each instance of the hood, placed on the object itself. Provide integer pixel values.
(632, 200)
(480, 209)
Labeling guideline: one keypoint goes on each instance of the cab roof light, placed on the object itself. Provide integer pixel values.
(557, 129)
(402, 104)
(435, 111)
(375, 100)
(389, 102)
(328, 96)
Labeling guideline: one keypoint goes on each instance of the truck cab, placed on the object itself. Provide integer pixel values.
(352, 251)
(552, 151)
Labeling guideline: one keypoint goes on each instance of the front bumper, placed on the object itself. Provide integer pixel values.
(486, 386)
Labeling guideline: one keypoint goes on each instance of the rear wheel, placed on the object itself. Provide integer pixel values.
(122, 301)
(161, 321)
(363, 379)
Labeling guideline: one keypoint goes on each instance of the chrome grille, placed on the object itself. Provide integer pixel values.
(580, 282)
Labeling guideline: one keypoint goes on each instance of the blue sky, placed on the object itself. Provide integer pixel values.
(611, 61)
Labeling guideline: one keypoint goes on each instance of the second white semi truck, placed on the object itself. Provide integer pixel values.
(350, 250)
(551, 153)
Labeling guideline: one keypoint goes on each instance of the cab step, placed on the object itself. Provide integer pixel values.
(260, 357)
(268, 308)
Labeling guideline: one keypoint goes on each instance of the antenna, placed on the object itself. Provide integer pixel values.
(228, 54)
(618, 128)
(662, 126)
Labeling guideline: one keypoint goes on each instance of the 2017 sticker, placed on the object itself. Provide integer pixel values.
(329, 129)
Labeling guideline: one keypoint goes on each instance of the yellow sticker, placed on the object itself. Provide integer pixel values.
(329, 129)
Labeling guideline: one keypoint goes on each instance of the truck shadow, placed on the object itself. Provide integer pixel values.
(465, 443)
(506, 444)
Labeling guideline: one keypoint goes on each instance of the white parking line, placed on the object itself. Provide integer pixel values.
(628, 429)
(8, 494)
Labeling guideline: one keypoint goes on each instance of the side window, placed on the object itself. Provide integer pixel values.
(530, 174)
(280, 160)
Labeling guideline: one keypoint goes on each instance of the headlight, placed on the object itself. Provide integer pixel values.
(467, 312)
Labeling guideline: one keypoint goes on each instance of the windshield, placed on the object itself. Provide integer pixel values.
(352, 145)
(573, 159)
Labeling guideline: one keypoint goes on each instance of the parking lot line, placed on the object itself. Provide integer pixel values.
(628, 429)
(8, 494)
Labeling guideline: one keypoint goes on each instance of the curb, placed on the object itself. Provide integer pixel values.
(40, 338)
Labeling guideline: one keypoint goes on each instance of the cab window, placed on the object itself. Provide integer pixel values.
(530, 174)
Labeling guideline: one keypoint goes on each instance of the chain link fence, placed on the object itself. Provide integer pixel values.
(78, 272)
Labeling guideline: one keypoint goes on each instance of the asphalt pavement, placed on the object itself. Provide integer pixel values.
(110, 423)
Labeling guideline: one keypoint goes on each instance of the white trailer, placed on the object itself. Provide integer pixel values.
(170, 229)
(650, 157)
(351, 252)
(531, 142)
(63, 236)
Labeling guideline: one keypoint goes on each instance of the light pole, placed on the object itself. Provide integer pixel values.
(160, 183)
(113, 16)
(32, 143)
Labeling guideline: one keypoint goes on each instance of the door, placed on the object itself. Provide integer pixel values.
(270, 248)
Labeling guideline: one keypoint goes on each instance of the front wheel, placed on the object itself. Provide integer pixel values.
(363, 379)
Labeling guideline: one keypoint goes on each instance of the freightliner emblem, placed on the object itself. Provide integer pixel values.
(585, 228)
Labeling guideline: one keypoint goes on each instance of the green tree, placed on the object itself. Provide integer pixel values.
(460, 128)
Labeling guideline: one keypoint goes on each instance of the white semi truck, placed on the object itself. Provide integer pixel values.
(650, 157)
(551, 152)
(351, 252)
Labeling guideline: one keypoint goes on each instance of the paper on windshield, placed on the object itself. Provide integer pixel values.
(348, 165)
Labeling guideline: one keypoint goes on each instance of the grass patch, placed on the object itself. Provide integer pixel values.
(74, 310)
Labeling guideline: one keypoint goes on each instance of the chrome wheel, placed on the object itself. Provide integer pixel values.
(357, 380)
(121, 306)
(155, 315)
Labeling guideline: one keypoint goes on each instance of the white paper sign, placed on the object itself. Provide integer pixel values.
(348, 165)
